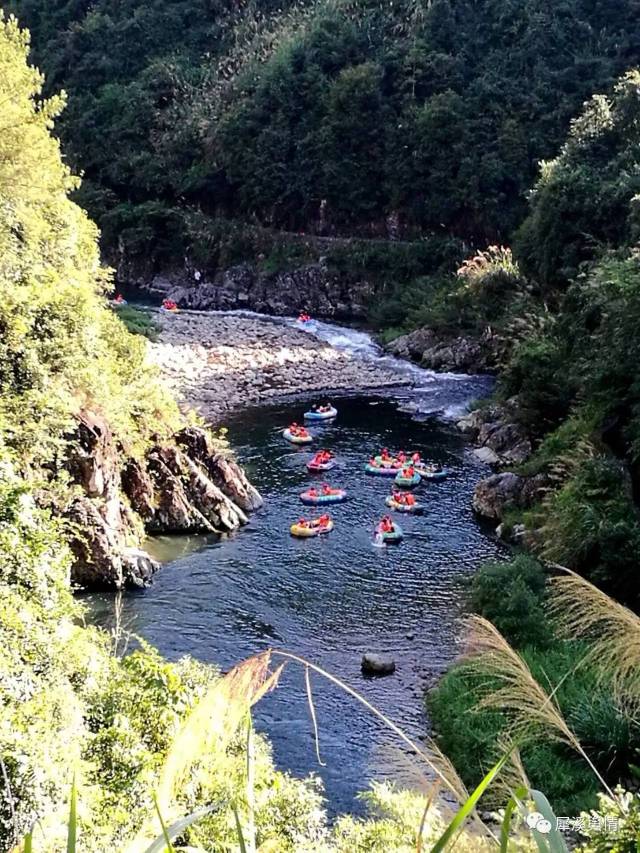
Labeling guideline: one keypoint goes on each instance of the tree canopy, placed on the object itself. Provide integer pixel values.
(436, 112)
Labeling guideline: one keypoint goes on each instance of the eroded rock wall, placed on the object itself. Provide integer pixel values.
(183, 485)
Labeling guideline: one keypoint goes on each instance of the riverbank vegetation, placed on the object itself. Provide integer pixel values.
(196, 129)
(69, 706)
(571, 380)
(93, 744)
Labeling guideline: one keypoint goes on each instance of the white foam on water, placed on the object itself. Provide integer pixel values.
(446, 395)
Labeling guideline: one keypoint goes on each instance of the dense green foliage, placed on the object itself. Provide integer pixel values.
(512, 595)
(208, 128)
(438, 112)
(70, 707)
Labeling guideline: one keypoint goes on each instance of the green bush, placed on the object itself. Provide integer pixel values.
(592, 525)
(138, 322)
(511, 595)
(470, 735)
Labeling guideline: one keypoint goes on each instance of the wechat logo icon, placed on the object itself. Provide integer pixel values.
(537, 821)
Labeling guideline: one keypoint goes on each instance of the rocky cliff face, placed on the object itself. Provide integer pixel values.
(312, 287)
(184, 485)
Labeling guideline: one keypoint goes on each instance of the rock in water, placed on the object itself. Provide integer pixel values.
(183, 485)
(101, 558)
(486, 455)
(375, 664)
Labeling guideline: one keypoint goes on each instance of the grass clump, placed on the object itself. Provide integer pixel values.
(139, 322)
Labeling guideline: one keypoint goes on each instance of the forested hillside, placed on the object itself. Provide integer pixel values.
(328, 115)
(505, 132)
(92, 743)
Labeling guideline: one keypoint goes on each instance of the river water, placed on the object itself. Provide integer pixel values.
(333, 598)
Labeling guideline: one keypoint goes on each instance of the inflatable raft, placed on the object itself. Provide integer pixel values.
(337, 497)
(407, 482)
(431, 472)
(297, 439)
(400, 507)
(307, 532)
(393, 536)
(321, 466)
(380, 471)
(331, 413)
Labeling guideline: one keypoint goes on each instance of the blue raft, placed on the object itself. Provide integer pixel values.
(380, 471)
(407, 482)
(331, 413)
(319, 500)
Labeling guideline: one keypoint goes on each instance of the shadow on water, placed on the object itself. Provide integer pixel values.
(329, 599)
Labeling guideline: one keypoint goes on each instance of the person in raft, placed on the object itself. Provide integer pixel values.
(304, 317)
(416, 458)
(300, 431)
(402, 457)
(404, 499)
(119, 299)
(323, 456)
(169, 304)
(386, 525)
(313, 492)
(327, 490)
(323, 521)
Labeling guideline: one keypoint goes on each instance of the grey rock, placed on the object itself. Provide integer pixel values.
(101, 558)
(138, 567)
(312, 287)
(498, 493)
(223, 471)
(486, 455)
(439, 350)
(377, 664)
(519, 453)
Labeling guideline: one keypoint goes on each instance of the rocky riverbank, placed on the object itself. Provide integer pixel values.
(183, 484)
(215, 363)
(502, 441)
(313, 287)
(436, 349)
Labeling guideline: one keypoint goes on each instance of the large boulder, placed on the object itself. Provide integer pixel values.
(377, 664)
(182, 486)
(185, 499)
(101, 557)
(440, 350)
(494, 495)
(502, 438)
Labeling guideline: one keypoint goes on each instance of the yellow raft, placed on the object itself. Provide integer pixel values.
(306, 532)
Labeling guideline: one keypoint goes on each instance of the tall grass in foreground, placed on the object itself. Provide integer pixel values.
(581, 610)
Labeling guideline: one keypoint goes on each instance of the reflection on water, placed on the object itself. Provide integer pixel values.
(332, 598)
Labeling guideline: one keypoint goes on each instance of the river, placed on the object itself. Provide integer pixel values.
(332, 599)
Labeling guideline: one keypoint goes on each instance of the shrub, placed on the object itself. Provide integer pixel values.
(138, 322)
(592, 525)
(511, 595)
